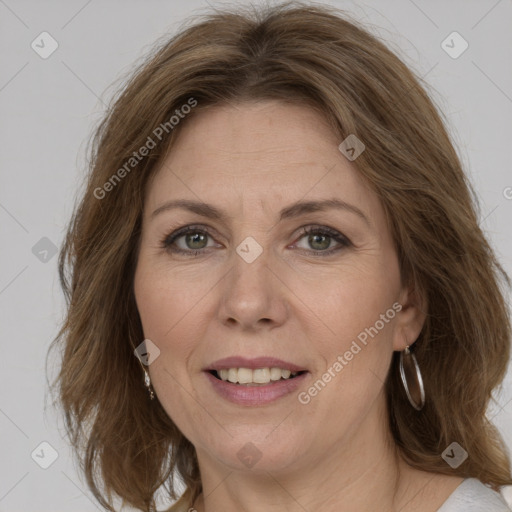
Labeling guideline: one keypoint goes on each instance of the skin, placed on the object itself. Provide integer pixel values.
(334, 453)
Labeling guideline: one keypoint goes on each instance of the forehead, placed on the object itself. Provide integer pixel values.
(255, 133)
(258, 153)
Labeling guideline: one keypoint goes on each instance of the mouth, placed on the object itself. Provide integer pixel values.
(255, 377)
(254, 381)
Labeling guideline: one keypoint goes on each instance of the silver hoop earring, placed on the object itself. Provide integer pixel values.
(410, 373)
(147, 383)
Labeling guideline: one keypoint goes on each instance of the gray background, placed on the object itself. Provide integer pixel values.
(48, 109)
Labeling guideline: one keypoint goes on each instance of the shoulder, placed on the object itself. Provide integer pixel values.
(473, 496)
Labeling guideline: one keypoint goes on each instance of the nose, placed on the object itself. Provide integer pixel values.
(252, 295)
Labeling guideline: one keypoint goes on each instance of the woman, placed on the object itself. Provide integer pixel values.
(278, 290)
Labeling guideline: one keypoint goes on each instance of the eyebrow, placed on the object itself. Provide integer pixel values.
(294, 210)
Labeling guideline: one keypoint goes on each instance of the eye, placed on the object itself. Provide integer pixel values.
(190, 240)
(321, 240)
(194, 240)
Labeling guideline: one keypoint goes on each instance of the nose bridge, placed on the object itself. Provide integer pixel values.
(251, 293)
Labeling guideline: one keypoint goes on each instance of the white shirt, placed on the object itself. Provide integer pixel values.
(473, 496)
(470, 496)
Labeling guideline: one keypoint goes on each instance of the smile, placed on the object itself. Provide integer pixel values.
(258, 376)
(254, 381)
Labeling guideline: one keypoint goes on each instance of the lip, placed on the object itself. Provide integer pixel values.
(255, 395)
(254, 363)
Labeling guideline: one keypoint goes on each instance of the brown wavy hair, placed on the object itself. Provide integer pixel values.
(319, 57)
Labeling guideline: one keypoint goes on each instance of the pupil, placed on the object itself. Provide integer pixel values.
(197, 241)
(314, 238)
(196, 238)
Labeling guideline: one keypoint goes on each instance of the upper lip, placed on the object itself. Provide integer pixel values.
(254, 363)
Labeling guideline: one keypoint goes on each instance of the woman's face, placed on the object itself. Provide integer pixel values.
(247, 281)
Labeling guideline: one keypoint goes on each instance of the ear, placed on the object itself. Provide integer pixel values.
(410, 318)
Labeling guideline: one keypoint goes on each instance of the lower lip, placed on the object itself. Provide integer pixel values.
(255, 395)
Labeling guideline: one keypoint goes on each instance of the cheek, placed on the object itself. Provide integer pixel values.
(165, 306)
(168, 309)
(175, 311)
(356, 351)
(166, 300)
(352, 332)
(337, 306)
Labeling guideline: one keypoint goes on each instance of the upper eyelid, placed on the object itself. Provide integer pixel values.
(209, 231)
(182, 231)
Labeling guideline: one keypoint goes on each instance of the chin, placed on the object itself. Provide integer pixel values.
(255, 454)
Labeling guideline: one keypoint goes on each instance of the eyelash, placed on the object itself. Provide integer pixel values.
(168, 241)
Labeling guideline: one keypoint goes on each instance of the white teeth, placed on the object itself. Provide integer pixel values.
(275, 373)
(261, 375)
(244, 375)
(257, 376)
